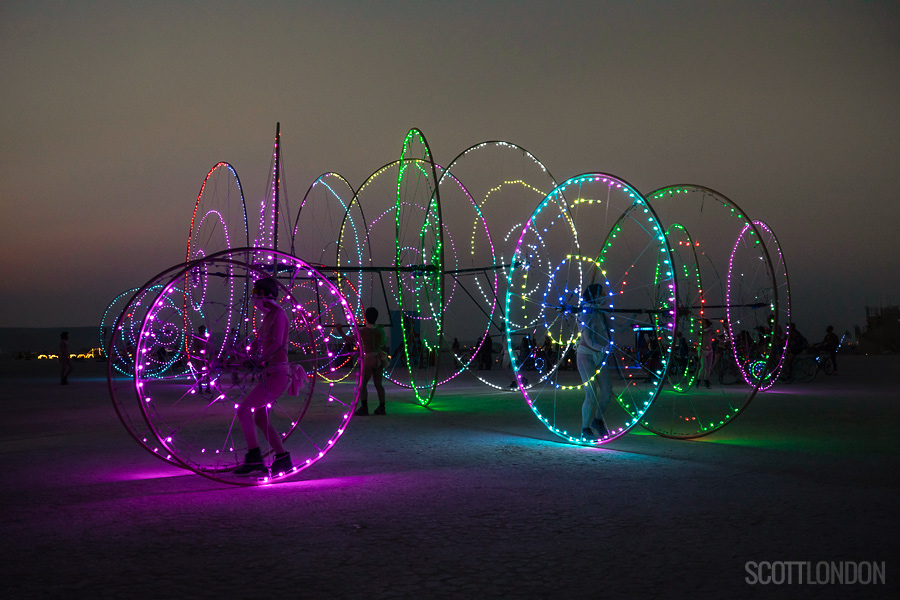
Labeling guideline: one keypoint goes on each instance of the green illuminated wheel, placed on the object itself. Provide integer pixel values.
(724, 346)
(684, 367)
(397, 262)
(593, 230)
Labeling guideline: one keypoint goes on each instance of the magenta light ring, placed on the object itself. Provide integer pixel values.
(300, 462)
(743, 362)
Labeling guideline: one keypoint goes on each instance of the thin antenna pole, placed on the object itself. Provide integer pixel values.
(277, 183)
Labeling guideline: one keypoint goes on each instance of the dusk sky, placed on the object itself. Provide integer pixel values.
(112, 113)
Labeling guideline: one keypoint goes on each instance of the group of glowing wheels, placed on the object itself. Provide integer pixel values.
(696, 297)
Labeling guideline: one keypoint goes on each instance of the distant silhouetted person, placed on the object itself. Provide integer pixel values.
(373, 341)
(506, 362)
(271, 347)
(708, 354)
(486, 353)
(829, 345)
(65, 358)
(796, 344)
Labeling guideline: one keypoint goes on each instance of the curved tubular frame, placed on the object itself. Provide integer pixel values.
(193, 245)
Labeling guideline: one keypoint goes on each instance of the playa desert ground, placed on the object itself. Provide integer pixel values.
(470, 497)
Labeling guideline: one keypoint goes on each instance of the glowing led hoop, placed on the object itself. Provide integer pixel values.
(592, 215)
(783, 297)
(219, 220)
(714, 223)
(761, 363)
(482, 182)
(198, 426)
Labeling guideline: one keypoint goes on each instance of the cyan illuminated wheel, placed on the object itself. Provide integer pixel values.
(316, 239)
(593, 230)
(193, 416)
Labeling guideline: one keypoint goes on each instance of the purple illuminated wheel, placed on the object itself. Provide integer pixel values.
(593, 230)
(763, 368)
(193, 416)
(728, 341)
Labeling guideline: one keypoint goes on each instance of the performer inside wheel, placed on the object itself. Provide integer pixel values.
(591, 358)
(274, 377)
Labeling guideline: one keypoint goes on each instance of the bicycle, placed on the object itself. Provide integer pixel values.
(807, 366)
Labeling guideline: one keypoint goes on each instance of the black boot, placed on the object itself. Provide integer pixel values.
(282, 463)
(252, 462)
(362, 410)
(379, 410)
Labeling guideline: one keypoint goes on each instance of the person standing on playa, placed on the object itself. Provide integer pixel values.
(374, 360)
(272, 357)
(65, 358)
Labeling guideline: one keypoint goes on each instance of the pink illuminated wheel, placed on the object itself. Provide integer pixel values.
(592, 230)
(728, 341)
(478, 188)
(765, 371)
(193, 417)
